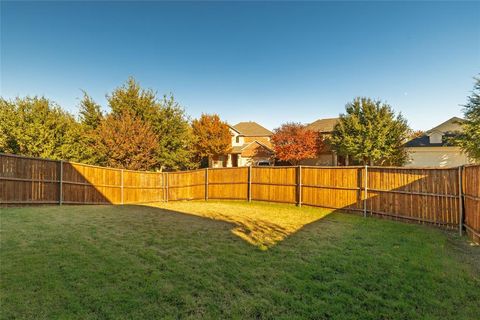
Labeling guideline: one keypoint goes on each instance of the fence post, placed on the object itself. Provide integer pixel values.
(121, 186)
(366, 192)
(299, 186)
(206, 184)
(460, 200)
(166, 186)
(60, 193)
(249, 188)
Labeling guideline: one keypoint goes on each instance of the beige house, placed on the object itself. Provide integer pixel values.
(433, 148)
(327, 157)
(251, 145)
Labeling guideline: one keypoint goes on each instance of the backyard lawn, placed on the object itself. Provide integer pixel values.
(219, 260)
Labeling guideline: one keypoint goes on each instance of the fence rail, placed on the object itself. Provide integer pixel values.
(447, 197)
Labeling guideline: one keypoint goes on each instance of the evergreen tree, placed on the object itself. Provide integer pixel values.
(8, 122)
(469, 140)
(174, 135)
(131, 98)
(37, 127)
(90, 116)
(90, 112)
(370, 133)
(166, 118)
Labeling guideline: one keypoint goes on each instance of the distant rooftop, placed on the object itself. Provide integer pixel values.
(323, 125)
(448, 129)
(450, 126)
(252, 129)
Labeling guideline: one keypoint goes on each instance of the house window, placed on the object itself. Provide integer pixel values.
(237, 139)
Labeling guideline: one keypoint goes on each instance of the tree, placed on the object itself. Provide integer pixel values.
(370, 133)
(166, 118)
(127, 142)
(90, 112)
(412, 134)
(293, 142)
(7, 127)
(38, 127)
(174, 135)
(131, 98)
(469, 139)
(212, 136)
(90, 116)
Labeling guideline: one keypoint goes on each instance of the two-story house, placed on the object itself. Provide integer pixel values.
(435, 148)
(251, 145)
(326, 156)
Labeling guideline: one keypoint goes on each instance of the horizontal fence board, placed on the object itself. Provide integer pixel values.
(423, 195)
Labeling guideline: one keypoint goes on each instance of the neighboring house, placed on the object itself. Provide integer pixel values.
(434, 148)
(327, 157)
(251, 145)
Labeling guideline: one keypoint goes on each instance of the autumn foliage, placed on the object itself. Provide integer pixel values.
(293, 142)
(127, 142)
(212, 136)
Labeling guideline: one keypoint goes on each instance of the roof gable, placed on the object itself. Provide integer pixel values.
(252, 129)
(256, 148)
(250, 146)
(451, 125)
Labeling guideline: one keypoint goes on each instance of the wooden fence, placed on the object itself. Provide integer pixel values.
(447, 197)
(471, 194)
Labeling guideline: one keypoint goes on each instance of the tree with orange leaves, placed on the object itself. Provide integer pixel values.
(293, 142)
(126, 142)
(211, 136)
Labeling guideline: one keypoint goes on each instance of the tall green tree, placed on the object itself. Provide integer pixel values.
(166, 118)
(174, 135)
(469, 139)
(370, 133)
(90, 116)
(7, 127)
(90, 112)
(38, 127)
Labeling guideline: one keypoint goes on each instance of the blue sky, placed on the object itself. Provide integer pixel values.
(268, 62)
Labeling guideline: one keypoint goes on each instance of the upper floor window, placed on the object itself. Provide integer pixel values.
(237, 139)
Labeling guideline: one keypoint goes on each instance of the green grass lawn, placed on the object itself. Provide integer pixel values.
(221, 260)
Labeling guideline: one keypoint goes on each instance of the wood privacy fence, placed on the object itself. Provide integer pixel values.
(471, 194)
(447, 197)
